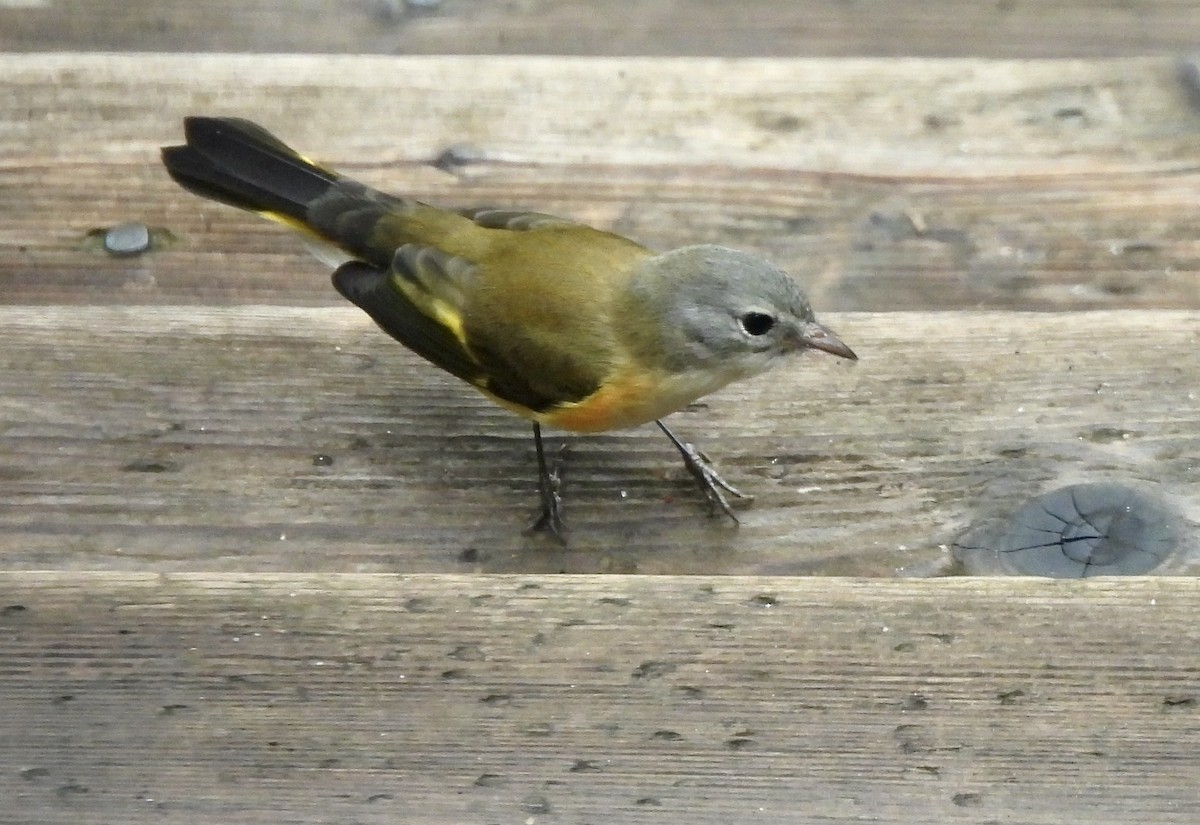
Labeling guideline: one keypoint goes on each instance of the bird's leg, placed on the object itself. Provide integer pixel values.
(549, 482)
(711, 484)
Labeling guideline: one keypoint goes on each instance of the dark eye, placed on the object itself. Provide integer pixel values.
(756, 323)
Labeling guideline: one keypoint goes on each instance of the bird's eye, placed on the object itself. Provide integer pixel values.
(756, 323)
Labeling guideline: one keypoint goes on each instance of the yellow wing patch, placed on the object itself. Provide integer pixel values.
(435, 283)
(443, 313)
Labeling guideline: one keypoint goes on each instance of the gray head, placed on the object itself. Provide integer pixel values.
(717, 308)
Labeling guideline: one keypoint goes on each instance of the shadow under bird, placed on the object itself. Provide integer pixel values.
(561, 323)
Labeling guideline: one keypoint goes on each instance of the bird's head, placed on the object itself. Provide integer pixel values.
(715, 308)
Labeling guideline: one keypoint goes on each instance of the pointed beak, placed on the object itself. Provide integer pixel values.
(816, 336)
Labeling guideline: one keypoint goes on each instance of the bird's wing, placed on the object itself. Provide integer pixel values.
(419, 303)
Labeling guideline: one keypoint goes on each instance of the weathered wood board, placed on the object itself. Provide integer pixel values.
(442, 700)
(780, 28)
(271, 438)
(181, 448)
(882, 184)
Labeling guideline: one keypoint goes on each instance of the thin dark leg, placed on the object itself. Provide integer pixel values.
(711, 484)
(549, 482)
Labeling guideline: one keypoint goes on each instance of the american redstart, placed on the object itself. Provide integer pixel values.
(561, 323)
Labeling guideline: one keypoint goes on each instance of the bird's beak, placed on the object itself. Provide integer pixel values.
(816, 336)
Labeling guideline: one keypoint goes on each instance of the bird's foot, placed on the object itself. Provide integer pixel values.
(710, 482)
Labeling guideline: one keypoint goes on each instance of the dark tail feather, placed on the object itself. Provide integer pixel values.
(239, 163)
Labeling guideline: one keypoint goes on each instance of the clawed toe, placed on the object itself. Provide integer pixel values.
(707, 478)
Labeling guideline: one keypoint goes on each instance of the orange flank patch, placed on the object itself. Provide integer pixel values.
(626, 402)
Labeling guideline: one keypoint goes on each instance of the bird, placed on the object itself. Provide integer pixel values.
(566, 325)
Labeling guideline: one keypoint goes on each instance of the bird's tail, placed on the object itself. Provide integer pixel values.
(237, 162)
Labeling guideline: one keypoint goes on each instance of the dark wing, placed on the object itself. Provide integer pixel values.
(418, 302)
(372, 290)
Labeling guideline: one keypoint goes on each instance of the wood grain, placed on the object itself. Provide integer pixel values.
(781, 28)
(432, 699)
(872, 117)
(268, 438)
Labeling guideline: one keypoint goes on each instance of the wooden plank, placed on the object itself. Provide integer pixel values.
(882, 184)
(874, 117)
(267, 438)
(901, 28)
(429, 699)
(1110, 240)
